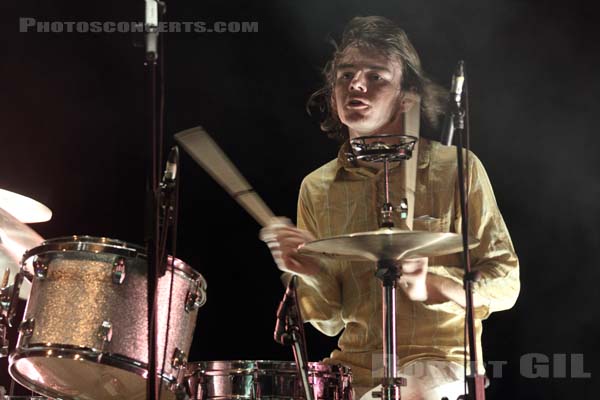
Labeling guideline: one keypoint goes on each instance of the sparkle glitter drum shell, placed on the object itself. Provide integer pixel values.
(273, 380)
(84, 330)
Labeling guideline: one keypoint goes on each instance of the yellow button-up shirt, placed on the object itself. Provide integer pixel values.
(340, 198)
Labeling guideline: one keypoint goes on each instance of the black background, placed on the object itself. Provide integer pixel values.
(73, 137)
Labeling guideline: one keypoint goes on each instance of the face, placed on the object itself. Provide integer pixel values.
(367, 93)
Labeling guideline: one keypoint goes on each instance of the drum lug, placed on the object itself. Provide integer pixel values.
(118, 271)
(40, 266)
(179, 365)
(191, 302)
(179, 359)
(105, 333)
(196, 296)
(26, 330)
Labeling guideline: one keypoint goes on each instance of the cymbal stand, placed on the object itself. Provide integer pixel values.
(9, 298)
(386, 149)
(5, 296)
(3, 323)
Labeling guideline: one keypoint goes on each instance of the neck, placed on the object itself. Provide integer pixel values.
(394, 127)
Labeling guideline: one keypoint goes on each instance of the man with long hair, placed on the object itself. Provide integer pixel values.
(373, 79)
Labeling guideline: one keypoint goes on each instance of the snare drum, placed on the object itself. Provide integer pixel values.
(84, 332)
(272, 380)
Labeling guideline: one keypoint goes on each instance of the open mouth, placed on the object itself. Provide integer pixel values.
(356, 103)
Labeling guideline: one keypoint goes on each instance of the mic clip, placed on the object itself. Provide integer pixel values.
(287, 327)
(458, 117)
(286, 324)
(169, 178)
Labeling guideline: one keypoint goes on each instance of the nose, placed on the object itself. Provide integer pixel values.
(358, 82)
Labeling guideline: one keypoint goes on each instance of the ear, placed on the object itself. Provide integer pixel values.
(409, 99)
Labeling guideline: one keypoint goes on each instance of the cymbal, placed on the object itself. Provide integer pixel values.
(15, 239)
(386, 244)
(23, 208)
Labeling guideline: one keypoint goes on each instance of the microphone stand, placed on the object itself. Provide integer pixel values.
(153, 191)
(459, 111)
(167, 223)
(292, 332)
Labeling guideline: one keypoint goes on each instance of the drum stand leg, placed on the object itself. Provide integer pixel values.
(301, 364)
(389, 272)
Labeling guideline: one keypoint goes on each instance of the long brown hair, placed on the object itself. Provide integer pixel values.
(382, 35)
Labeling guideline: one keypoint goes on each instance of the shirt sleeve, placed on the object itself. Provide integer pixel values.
(319, 295)
(494, 258)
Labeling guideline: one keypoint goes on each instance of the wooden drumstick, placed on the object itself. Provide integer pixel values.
(203, 149)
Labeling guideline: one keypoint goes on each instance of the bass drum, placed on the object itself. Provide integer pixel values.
(274, 380)
(84, 330)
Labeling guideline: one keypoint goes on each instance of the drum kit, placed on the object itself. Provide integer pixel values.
(83, 334)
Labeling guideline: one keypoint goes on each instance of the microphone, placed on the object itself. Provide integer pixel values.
(289, 301)
(151, 28)
(454, 103)
(170, 174)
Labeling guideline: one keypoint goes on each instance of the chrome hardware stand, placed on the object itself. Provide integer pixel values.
(152, 235)
(5, 297)
(386, 149)
(292, 332)
(299, 349)
(3, 326)
(9, 299)
(459, 109)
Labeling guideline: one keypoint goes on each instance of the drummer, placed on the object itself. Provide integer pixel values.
(372, 80)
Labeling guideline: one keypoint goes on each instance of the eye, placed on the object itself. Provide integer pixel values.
(376, 77)
(348, 75)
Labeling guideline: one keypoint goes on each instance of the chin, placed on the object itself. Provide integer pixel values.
(363, 129)
(360, 126)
